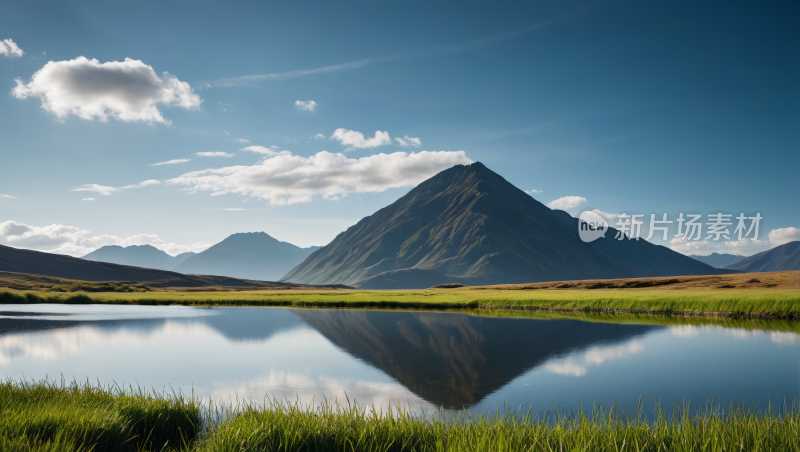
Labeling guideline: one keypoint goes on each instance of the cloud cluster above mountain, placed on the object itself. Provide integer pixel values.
(127, 90)
(290, 179)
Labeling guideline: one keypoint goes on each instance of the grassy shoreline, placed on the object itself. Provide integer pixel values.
(735, 303)
(48, 416)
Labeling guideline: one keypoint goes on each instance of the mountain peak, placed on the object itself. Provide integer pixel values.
(469, 224)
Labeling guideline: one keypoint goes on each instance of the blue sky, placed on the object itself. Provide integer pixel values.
(638, 107)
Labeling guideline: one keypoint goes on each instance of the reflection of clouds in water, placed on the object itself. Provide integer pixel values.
(576, 364)
(52, 345)
(740, 333)
(306, 389)
(778, 337)
(784, 338)
(97, 312)
(684, 330)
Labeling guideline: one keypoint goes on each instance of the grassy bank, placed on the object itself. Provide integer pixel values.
(761, 302)
(50, 417)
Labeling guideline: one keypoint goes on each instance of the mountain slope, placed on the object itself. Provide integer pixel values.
(253, 255)
(717, 260)
(468, 222)
(145, 256)
(781, 258)
(47, 264)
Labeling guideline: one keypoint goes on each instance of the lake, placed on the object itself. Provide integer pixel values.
(422, 359)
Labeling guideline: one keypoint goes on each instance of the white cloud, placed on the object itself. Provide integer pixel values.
(783, 235)
(747, 246)
(407, 141)
(289, 179)
(227, 133)
(170, 162)
(10, 49)
(241, 140)
(214, 154)
(356, 140)
(142, 184)
(128, 91)
(265, 151)
(318, 136)
(88, 199)
(533, 192)
(308, 106)
(75, 241)
(698, 247)
(8, 196)
(567, 202)
(744, 247)
(102, 189)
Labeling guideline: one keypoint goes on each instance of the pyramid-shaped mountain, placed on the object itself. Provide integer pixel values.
(467, 224)
(249, 255)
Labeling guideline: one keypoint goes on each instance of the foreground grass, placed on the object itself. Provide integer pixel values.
(50, 416)
(768, 303)
(45, 416)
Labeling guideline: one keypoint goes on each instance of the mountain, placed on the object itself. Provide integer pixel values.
(455, 360)
(253, 255)
(60, 266)
(145, 256)
(717, 260)
(780, 258)
(469, 224)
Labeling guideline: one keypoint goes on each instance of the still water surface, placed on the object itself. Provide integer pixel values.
(423, 359)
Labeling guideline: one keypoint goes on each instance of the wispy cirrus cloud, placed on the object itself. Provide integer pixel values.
(272, 150)
(141, 184)
(97, 188)
(290, 179)
(170, 162)
(108, 190)
(8, 196)
(10, 49)
(467, 46)
(127, 90)
(215, 154)
(88, 199)
(241, 140)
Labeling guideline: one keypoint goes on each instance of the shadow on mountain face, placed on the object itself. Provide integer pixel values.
(456, 360)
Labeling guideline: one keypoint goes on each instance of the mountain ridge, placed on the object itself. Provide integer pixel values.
(145, 256)
(781, 258)
(246, 255)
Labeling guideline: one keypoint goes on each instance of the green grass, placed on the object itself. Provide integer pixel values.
(768, 303)
(53, 416)
(45, 416)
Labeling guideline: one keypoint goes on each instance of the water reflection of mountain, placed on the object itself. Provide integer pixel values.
(456, 360)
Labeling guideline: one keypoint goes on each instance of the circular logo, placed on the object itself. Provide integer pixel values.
(591, 226)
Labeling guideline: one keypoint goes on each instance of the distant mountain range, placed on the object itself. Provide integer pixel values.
(781, 258)
(717, 260)
(39, 263)
(253, 255)
(145, 256)
(469, 225)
